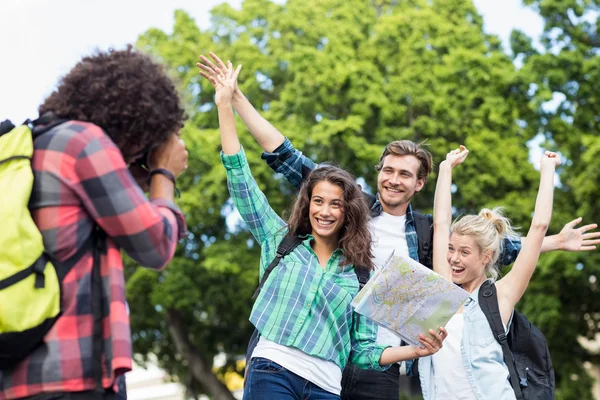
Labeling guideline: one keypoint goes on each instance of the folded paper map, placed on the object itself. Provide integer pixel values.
(409, 298)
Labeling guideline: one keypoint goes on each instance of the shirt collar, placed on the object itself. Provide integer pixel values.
(377, 209)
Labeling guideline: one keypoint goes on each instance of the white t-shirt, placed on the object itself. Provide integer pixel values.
(325, 374)
(389, 235)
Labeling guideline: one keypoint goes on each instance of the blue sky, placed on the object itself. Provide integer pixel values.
(40, 40)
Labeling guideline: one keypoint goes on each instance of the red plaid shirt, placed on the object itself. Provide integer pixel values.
(81, 180)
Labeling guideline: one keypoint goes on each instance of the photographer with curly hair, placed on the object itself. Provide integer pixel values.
(113, 111)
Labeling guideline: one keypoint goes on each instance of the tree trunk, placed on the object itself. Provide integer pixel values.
(200, 368)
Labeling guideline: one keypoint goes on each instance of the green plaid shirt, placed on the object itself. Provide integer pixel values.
(302, 304)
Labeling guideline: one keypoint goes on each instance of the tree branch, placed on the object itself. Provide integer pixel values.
(200, 368)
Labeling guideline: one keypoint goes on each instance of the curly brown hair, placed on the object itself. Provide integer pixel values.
(125, 93)
(355, 237)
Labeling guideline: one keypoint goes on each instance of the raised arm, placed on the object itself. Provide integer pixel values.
(279, 154)
(249, 200)
(571, 238)
(514, 284)
(224, 84)
(442, 211)
(267, 136)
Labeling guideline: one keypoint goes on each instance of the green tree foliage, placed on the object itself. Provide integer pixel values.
(342, 78)
(564, 97)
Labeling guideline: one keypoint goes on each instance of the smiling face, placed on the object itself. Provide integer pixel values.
(326, 211)
(467, 261)
(397, 183)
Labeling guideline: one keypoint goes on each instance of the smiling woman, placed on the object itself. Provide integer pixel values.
(472, 365)
(330, 207)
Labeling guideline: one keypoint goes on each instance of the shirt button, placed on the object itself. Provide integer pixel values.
(307, 305)
(314, 289)
(301, 321)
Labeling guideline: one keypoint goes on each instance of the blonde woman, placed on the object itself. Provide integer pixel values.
(471, 365)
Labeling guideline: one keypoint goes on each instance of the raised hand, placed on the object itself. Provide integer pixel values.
(227, 82)
(577, 239)
(550, 158)
(211, 70)
(458, 156)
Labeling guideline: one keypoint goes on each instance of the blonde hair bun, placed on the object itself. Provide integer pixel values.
(500, 222)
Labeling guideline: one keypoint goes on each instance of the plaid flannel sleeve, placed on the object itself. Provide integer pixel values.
(148, 230)
(290, 162)
(250, 201)
(365, 352)
(512, 247)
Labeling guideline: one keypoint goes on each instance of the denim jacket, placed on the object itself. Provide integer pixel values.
(482, 358)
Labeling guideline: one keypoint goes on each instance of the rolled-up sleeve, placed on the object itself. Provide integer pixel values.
(252, 204)
(290, 162)
(510, 251)
(365, 353)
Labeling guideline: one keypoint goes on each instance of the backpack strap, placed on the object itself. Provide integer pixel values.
(363, 275)
(488, 301)
(47, 121)
(99, 248)
(424, 228)
(286, 246)
(6, 126)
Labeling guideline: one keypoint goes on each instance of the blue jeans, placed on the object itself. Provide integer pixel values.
(268, 380)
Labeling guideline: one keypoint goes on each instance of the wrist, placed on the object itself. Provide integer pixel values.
(166, 174)
(237, 95)
(445, 165)
(560, 241)
(549, 167)
(224, 105)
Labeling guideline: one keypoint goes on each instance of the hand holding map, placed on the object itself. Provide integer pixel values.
(409, 298)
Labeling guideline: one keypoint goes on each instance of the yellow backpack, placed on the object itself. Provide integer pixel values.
(29, 284)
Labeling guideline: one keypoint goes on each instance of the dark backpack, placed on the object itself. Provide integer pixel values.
(524, 348)
(286, 246)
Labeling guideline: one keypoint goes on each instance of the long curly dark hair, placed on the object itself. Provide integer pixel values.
(125, 93)
(355, 237)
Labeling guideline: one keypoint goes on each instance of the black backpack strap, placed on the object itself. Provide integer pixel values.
(99, 248)
(286, 246)
(424, 228)
(6, 126)
(363, 275)
(44, 123)
(488, 301)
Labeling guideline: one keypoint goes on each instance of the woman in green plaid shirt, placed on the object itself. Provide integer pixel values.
(308, 330)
